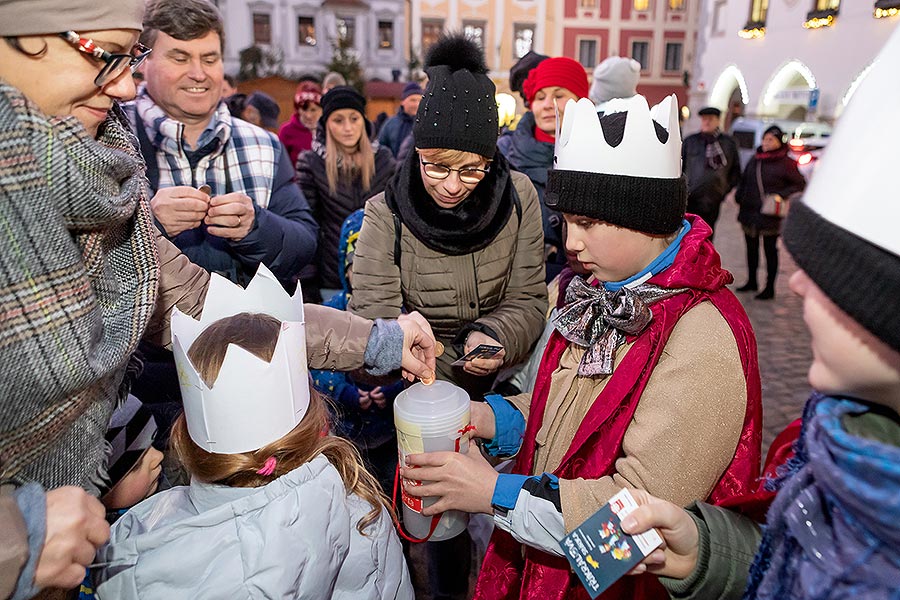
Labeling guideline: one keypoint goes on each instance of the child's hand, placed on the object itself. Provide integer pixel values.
(377, 396)
(365, 400)
(681, 543)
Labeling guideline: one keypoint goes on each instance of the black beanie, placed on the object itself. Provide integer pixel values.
(458, 110)
(860, 277)
(518, 73)
(650, 205)
(342, 96)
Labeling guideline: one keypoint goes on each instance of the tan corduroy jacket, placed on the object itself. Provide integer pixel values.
(501, 286)
(684, 431)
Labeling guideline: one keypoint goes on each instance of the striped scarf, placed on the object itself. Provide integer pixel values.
(78, 276)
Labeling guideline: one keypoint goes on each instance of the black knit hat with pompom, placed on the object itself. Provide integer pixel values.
(458, 110)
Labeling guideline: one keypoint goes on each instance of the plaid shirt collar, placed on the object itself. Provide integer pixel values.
(167, 134)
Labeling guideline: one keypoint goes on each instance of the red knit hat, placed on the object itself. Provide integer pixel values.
(307, 91)
(560, 71)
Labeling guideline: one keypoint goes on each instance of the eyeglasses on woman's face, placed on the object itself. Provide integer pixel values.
(466, 174)
(114, 64)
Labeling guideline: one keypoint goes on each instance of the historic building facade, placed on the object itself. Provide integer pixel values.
(300, 34)
(787, 59)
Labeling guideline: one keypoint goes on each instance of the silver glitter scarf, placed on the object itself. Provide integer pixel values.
(599, 320)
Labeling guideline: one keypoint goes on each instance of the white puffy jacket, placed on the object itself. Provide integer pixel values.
(293, 538)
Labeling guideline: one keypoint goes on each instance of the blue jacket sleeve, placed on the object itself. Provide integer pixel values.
(284, 235)
(335, 385)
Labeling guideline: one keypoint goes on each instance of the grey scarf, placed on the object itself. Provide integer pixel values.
(599, 320)
(78, 276)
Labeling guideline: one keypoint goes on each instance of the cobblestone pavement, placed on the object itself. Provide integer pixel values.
(781, 335)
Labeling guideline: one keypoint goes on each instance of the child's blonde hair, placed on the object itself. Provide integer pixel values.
(258, 334)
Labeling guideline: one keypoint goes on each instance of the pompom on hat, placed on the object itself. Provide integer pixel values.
(559, 71)
(458, 110)
(844, 232)
(41, 17)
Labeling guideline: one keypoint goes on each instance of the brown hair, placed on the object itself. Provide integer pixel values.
(184, 20)
(258, 334)
(359, 164)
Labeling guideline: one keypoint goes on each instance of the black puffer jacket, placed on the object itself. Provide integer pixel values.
(331, 210)
(778, 174)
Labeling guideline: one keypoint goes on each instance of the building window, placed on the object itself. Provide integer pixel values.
(640, 51)
(474, 30)
(587, 3)
(306, 31)
(718, 18)
(385, 34)
(262, 29)
(346, 30)
(587, 53)
(673, 56)
(641, 5)
(523, 39)
(431, 31)
(676, 4)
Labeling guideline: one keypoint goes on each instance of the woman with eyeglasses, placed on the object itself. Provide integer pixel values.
(84, 275)
(344, 168)
(457, 235)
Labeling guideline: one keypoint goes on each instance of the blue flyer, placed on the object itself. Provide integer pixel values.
(600, 552)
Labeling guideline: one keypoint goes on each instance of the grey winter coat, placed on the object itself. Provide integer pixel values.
(293, 538)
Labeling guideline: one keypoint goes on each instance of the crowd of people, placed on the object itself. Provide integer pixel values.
(176, 422)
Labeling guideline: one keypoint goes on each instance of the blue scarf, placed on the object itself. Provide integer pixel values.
(834, 528)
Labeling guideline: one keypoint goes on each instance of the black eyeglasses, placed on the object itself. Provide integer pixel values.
(115, 63)
(466, 174)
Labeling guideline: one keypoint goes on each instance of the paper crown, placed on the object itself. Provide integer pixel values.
(844, 232)
(636, 184)
(581, 145)
(863, 199)
(252, 402)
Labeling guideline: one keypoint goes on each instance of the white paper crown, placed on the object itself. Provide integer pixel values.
(855, 184)
(580, 145)
(252, 402)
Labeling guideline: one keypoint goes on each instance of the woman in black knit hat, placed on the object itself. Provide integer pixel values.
(344, 168)
(770, 171)
(456, 236)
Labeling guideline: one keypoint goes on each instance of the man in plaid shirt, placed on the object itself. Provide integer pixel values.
(225, 192)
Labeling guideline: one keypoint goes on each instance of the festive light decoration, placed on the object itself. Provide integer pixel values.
(883, 13)
(818, 22)
(753, 33)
